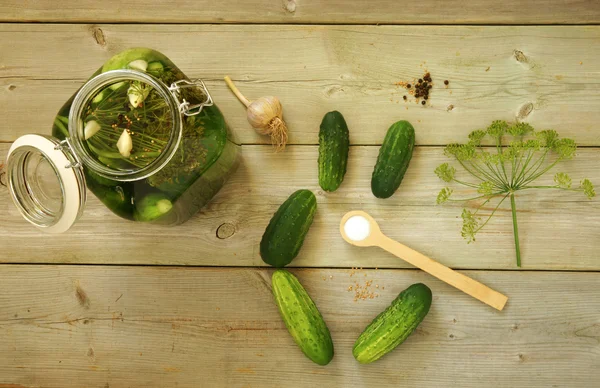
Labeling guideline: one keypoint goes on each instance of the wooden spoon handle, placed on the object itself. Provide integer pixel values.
(445, 274)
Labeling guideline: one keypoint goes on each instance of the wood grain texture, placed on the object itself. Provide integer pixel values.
(304, 11)
(178, 327)
(559, 230)
(548, 76)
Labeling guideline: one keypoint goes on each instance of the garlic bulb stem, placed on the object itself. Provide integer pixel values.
(236, 91)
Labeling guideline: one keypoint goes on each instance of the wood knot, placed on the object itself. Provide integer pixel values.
(451, 336)
(2, 175)
(520, 57)
(332, 90)
(12, 87)
(82, 297)
(225, 230)
(449, 107)
(521, 357)
(98, 36)
(289, 5)
(524, 111)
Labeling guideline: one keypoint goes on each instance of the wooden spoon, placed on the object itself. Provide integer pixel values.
(376, 238)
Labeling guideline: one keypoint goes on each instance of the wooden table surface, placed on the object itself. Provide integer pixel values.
(116, 304)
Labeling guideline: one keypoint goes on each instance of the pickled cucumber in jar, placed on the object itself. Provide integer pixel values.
(144, 155)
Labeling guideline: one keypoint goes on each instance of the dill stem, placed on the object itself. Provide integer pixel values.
(487, 175)
(515, 228)
(497, 173)
(466, 183)
(499, 147)
(513, 170)
(549, 187)
(537, 164)
(492, 214)
(483, 204)
(473, 198)
(523, 167)
(539, 174)
(469, 171)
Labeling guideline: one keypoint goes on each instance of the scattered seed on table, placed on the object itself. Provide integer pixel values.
(446, 82)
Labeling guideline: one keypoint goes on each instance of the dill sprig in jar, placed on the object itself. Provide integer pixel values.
(146, 140)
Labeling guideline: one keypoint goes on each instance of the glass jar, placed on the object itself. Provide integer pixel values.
(146, 140)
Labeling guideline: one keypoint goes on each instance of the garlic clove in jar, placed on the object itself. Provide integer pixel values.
(138, 64)
(125, 144)
(135, 99)
(137, 93)
(91, 128)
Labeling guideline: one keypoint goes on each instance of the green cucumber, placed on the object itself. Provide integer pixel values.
(155, 68)
(334, 143)
(302, 318)
(152, 206)
(122, 59)
(394, 156)
(99, 97)
(390, 328)
(285, 233)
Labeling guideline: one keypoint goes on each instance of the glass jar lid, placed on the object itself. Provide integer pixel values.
(46, 182)
(125, 125)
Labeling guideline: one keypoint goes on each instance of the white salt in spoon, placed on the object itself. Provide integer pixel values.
(360, 229)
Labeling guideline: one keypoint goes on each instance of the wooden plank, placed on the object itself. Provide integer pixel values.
(304, 11)
(73, 326)
(559, 230)
(547, 76)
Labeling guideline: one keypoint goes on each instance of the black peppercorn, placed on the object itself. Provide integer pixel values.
(446, 82)
(404, 98)
(420, 80)
(425, 97)
(423, 102)
(408, 86)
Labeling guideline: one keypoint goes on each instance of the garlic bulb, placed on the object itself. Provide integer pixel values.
(139, 64)
(261, 111)
(265, 114)
(91, 128)
(125, 144)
